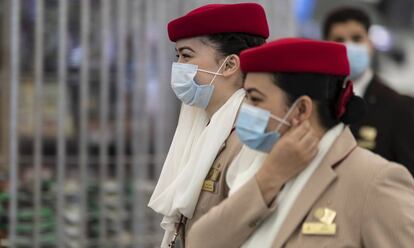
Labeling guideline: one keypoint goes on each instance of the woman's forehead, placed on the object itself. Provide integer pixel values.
(258, 79)
(263, 83)
(194, 43)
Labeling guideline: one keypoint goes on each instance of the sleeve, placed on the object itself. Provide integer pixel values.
(403, 140)
(231, 222)
(388, 214)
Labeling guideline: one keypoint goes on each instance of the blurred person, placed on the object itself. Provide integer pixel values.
(208, 80)
(387, 128)
(301, 180)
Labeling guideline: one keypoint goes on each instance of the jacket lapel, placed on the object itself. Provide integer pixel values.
(317, 184)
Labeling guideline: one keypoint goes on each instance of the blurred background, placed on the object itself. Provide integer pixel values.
(87, 113)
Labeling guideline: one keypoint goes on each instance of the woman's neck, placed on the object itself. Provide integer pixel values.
(217, 101)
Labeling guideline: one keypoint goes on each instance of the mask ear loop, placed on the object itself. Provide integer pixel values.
(286, 116)
(280, 120)
(210, 72)
(219, 69)
(215, 73)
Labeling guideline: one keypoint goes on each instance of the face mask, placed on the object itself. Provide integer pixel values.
(359, 59)
(251, 127)
(185, 87)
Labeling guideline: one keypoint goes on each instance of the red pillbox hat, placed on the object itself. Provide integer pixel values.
(249, 18)
(296, 55)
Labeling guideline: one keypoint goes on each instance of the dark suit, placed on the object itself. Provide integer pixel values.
(388, 127)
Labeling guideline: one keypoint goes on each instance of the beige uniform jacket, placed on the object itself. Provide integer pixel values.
(372, 197)
(215, 188)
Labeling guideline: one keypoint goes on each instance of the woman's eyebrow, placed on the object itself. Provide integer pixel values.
(250, 90)
(183, 48)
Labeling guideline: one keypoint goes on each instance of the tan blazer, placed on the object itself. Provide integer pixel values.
(215, 189)
(372, 197)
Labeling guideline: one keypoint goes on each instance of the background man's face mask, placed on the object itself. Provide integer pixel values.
(187, 89)
(251, 127)
(359, 59)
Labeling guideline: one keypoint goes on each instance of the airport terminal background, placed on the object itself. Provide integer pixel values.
(87, 113)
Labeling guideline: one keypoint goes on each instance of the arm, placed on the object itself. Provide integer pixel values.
(231, 222)
(388, 215)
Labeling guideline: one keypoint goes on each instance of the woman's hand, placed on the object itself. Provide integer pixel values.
(290, 155)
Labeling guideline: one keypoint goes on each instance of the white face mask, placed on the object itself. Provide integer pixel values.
(359, 60)
(185, 87)
(251, 127)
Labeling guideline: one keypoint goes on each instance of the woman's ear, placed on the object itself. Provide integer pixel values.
(304, 109)
(232, 65)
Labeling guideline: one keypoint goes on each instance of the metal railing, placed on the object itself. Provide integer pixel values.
(101, 115)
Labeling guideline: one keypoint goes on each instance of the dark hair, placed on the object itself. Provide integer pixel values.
(345, 14)
(234, 43)
(325, 91)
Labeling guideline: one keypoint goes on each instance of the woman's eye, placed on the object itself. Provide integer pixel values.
(255, 99)
(184, 56)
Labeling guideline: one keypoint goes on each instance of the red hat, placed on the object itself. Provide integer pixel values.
(249, 18)
(297, 55)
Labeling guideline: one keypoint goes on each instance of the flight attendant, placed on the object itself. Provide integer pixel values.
(346, 196)
(387, 128)
(208, 80)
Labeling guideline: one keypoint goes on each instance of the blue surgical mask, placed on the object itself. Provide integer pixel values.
(359, 60)
(187, 89)
(251, 127)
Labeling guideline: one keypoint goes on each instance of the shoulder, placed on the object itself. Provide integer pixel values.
(401, 106)
(363, 167)
(380, 184)
(386, 93)
(387, 202)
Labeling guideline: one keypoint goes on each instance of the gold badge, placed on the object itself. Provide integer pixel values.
(208, 185)
(213, 174)
(326, 226)
(370, 145)
(316, 228)
(368, 136)
(368, 133)
(325, 215)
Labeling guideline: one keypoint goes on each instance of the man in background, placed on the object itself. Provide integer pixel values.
(388, 126)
